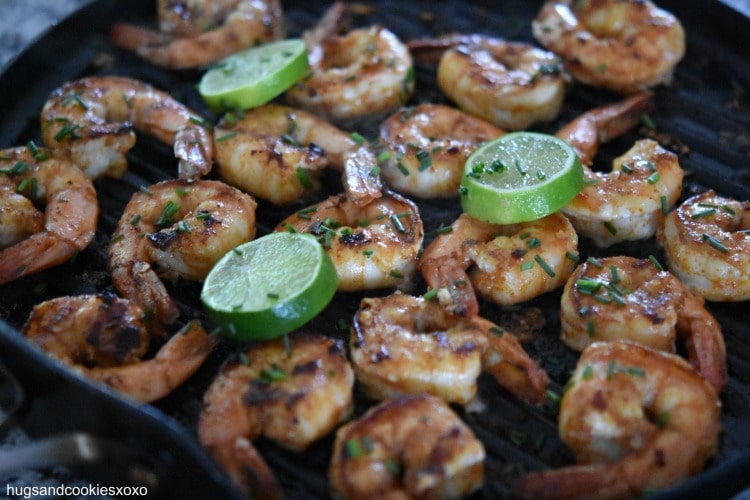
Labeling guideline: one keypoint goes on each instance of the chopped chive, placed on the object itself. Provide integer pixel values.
(519, 167)
(227, 136)
(704, 213)
(374, 171)
(663, 419)
(368, 253)
(384, 156)
(459, 282)
(594, 261)
(394, 273)
(353, 448)
(237, 251)
(664, 206)
(553, 396)
(655, 262)
(715, 243)
(183, 227)
(199, 121)
(357, 138)
(591, 328)
(303, 178)
(18, 168)
(36, 152)
(135, 220)
(402, 168)
(728, 210)
(444, 229)
(397, 224)
(425, 160)
(68, 130)
(572, 256)
(653, 178)
(498, 166)
(534, 243)
(545, 267)
(625, 168)
(588, 371)
(527, 265)
(272, 296)
(430, 294)
(588, 286)
(647, 122)
(610, 227)
(614, 273)
(203, 215)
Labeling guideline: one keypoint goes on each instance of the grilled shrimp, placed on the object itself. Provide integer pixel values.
(510, 84)
(192, 17)
(411, 447)
(105, 339)
(176, 228)
(93, 118)
(707, 244)
(637, 419)
(277, 153)
(374, 246)
(506, 264)
(629, 202)
(245, 23)
(626, 298)
(293, 394)
(624, 45)
(427, 146)
(401, 344)
(367, 71)
(32, 240)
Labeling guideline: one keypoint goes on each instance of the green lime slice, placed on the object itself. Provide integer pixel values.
(255, 75)
(519, 177)
(269, 286)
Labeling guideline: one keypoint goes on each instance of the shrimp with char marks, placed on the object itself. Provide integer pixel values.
(176, 228)
(637, 420)
(401, 344)
(427, 146)
(365, 72)
(411, 447)
(277, 153)
(105, 338)
(707, 245)
(624, 45)
(93, 119)
(506, 264)
(191, 17)
(626, 298)
(293, 393)
(241, 24)
(629, 202)
(31, 240)
(510, 84)
(374, 246)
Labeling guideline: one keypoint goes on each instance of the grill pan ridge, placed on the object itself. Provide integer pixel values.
(706, 110)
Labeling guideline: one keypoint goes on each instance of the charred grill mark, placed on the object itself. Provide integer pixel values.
(356, 239)
(260, 392)
(309, 367)
(163, 239)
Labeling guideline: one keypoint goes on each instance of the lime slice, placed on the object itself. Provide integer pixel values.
(254, 76)
(519, 177)
(269, 286)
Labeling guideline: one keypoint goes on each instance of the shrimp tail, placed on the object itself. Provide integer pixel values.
(512, 367)
(704, 341)
(37, 253)
(604, 123)
(140, 283)
(329, 23)
(193, 146)
(361, 182)
(247, 468)
(132, 38)
(430, 50)
(565, 484)
(454, 289)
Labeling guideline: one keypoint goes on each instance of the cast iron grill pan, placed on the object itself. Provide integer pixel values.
(705, 114)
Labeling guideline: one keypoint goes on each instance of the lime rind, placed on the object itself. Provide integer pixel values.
(519, 177)
(254, 76)
(270, 286)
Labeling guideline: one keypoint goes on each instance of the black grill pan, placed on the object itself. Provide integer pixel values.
(704, 114)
